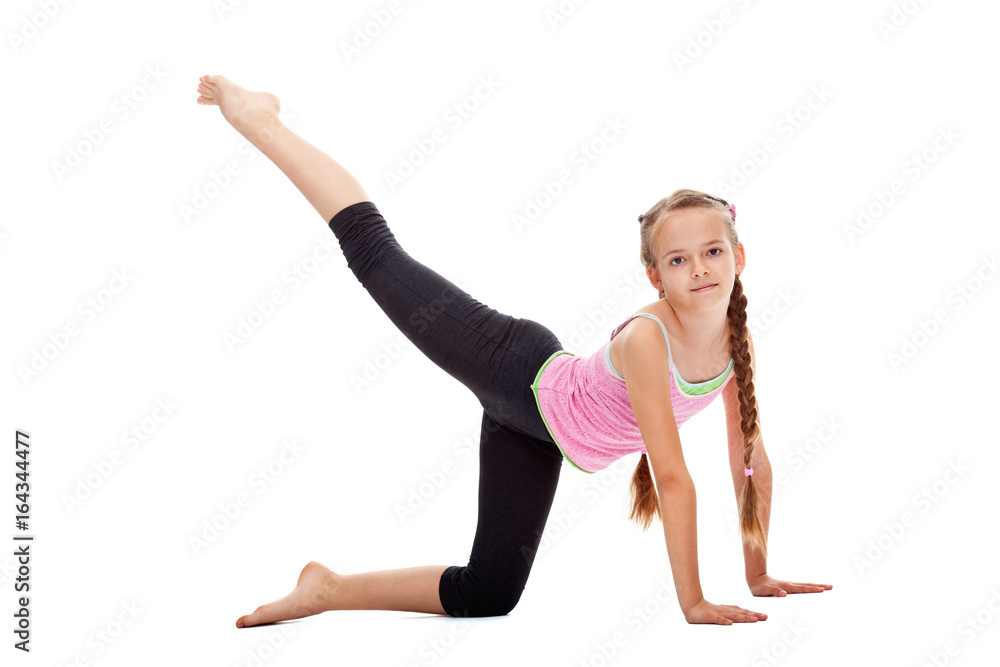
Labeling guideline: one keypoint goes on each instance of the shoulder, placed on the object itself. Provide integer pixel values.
(642, 343)
(643, 339)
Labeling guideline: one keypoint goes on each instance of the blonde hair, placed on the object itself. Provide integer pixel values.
(645, 503)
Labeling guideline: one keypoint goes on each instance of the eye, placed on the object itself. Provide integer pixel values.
(671, 262)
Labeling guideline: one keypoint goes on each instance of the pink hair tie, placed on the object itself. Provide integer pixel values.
(747, 472)
(732, 210)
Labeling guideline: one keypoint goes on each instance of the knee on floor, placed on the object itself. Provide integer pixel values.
(462, 596)
(481, 607)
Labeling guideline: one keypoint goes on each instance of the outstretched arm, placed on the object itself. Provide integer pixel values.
(647, 377)
(755, 563)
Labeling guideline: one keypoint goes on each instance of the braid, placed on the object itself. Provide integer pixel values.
(750, 510)
(740, 351)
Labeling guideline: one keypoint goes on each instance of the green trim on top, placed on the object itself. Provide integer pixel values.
(699, 388)
(538, 402)
(689, 388)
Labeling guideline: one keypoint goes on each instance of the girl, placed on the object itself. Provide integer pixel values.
(542, 404)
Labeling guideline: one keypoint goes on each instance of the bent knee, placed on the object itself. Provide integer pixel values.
(464, 596)
(478, 607)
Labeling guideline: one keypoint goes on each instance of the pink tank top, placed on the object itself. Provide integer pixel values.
(584, 403)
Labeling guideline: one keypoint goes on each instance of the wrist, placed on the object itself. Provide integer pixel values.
(687, 602)
(686, 608)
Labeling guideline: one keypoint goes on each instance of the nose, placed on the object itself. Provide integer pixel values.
(699, 269)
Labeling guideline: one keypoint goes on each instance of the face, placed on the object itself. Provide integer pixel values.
(691, 249)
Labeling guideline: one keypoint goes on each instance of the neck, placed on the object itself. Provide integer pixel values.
(703, 331)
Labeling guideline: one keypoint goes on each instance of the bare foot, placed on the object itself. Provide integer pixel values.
(310, 596)
(239, 106)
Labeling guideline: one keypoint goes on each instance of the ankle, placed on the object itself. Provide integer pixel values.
(332, 594)
(258, 126)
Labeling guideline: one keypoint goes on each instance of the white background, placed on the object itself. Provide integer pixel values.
(858, 435)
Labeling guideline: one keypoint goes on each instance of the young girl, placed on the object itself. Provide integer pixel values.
(542, 404)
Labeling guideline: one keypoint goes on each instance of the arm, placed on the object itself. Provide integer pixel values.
(755, 564)
(647, 380)
(760, 582)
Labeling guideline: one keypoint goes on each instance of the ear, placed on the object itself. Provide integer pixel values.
(741, 258)
(654, 278)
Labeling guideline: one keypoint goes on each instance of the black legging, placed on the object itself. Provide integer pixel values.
(497, 357)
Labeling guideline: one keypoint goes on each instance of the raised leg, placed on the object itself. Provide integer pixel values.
(324, 182)
(494, 354)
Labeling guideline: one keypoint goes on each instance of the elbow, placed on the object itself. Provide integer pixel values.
(667, 485)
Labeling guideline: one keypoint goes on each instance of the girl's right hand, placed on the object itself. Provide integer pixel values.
(704, 611)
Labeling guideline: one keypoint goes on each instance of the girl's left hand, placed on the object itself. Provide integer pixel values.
(766, 585)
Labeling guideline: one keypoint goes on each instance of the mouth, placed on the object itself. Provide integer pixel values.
(705, 288)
